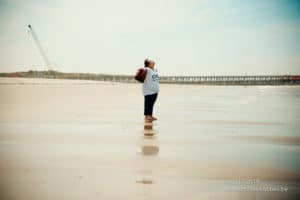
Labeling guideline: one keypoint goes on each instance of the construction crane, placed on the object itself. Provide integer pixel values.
(40, 48)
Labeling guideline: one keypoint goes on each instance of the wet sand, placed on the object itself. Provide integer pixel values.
(72, 139)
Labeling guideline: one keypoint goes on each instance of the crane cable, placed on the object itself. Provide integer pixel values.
(40, 48)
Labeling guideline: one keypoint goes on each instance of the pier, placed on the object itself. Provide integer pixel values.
(220, 80)
(201, 80)
(233, 80)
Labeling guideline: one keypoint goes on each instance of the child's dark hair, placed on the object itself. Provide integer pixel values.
(146, 62)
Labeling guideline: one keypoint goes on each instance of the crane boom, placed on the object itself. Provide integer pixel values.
(40, 48)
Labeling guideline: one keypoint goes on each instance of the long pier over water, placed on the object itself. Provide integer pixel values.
(222, 80)
(204, 80)
(233, 80)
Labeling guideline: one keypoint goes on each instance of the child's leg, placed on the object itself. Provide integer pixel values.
(153, 100)
(147, 105)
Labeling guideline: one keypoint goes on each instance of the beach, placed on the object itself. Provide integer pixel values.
(76, 139)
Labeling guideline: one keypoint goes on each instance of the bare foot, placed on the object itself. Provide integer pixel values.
(148, 119)
(153, 118)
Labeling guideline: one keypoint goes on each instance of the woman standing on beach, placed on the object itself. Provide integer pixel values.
(150, 89)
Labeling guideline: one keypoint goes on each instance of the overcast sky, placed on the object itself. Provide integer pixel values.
(184, 37)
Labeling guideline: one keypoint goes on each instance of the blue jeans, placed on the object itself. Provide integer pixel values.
(149, 103)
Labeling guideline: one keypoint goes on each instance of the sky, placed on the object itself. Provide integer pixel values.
(184, 37)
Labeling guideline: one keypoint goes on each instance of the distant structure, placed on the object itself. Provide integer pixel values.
(200, 80)
(215, 80)
(234, 80)
(40, 48)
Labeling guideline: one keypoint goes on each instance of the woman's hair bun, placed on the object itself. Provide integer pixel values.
(147, 62)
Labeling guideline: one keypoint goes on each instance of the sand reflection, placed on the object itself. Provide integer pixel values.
(149, 144)
(149, 150)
